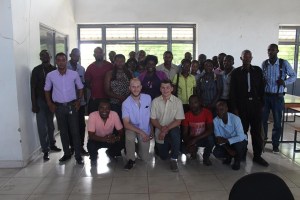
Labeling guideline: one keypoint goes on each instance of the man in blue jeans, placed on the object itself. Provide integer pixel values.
(166, 116)
(275, 73)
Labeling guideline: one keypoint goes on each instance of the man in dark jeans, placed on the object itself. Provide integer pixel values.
(44, 117)
(65, 104)
(101, 125)
(247, 98)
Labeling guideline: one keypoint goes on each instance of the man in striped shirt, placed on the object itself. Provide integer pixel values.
(275, 73)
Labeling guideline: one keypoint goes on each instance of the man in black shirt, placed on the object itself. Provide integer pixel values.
(246, 95)
(44, 117)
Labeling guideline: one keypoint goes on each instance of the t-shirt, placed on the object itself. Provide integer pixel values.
(197, 123)
(96, 123)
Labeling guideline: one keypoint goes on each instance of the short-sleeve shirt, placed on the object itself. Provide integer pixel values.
(169, 73)
(166, 112)
(139, 116)
(197, 123)
(96, 124)
(95, 75)
(63, 86)
(185, 87)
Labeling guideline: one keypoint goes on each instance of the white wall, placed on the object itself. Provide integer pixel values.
(228, 26)
(19, 20)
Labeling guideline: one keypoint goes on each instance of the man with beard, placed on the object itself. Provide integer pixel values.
(94, 79)
(44, 117)
(100, 127)
(136, 118)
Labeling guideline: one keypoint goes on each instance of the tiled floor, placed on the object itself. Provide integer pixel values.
(150, 181)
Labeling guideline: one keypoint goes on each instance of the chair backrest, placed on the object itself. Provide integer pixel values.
(260, 186)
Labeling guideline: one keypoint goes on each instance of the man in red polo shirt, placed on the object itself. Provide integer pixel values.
(94, 78)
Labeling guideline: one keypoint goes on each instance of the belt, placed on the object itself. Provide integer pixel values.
(274, 94)
(253, 98)
(70, 103)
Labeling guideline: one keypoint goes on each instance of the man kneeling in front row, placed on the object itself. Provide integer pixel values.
(101, 125)
(230, 135)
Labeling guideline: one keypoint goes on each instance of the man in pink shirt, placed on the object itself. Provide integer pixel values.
(100, 127)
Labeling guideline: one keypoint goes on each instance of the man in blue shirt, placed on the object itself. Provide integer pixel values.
(136, 118)
(275, 72)
(229, 134)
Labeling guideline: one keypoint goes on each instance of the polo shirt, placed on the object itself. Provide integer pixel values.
(95, 75)
(166, 112)
(197, 123)
(139, 116)
(233, 130)
(96, 124)
(63, 86)
(185, 87)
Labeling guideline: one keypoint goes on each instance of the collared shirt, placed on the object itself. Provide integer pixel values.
(138, 115)
(96, 124)
(185, 87)
(218, 71)
(226, 85)
(64, 86)
(245, 85)
(197, 123)
(272, 72)
(38, 78)
(233, 130)
(166, 112)
(95, 75)
(81, 71)
(170, 73)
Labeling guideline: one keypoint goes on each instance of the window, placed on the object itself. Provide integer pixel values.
(154, 39)
(289, 42)
(53, 41)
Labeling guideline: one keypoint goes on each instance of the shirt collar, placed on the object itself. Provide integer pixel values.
(229, 122)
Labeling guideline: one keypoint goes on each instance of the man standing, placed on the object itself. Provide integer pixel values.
(275, 72)
(166, 116)
(94, 79)
(168, 67)
(246, 96)
(230, 135)
(44, 117)
(74, 65)
(136, 118)
(226, 76)
(111, 56)
(100, 127)
(63, 83)
(197, 129)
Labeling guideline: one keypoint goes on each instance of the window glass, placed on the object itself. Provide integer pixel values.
(154, 49)
(182, 34)
(90, 34)
(287, 35)
(153, 33)
(120, 34)
(179, 50)
(87, 53)
(120, 49)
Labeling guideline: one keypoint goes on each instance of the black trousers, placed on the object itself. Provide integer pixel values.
(93, 147)
(81, 124)
(250, 112)
(239, 147)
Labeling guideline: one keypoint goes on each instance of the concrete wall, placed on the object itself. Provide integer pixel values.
(228, 26)
(19, 50)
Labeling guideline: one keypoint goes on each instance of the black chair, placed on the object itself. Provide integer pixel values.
(260, 186)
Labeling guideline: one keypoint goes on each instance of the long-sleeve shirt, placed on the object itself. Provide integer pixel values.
(272, 73)
(232, 131)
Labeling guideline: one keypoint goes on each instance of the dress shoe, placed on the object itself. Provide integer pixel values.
(46, 156)
(55, 149)
(259, 160)
(72, 150)
(64, 158)
(236, 165)
(84, 152)
(79, 161)
(227, 161)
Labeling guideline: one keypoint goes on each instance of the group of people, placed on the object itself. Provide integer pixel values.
(200, 103)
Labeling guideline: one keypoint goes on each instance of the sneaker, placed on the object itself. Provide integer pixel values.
(275, 150)
(65, 158)
(130, 164)
(236, 165)
(207, 162)
(173, 165)
(259, 160)
(55, 149)
(227, 161)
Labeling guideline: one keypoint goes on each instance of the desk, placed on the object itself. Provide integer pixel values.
(289, 102)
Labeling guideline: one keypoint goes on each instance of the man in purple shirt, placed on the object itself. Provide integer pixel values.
(136, 118)
(65, 104)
